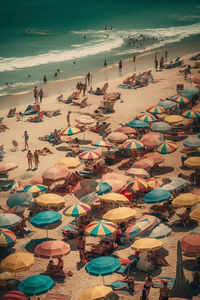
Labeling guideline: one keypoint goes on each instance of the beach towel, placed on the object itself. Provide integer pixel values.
(158, 281)
(137, 287)
(127, 87)
(87, 174)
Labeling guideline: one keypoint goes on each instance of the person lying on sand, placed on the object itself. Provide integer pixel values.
(129, 279)
(155, 258)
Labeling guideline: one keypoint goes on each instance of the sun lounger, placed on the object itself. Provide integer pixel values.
(82, 102)
(102, 91)
(36, 118)
(11, 112)
(112, 96)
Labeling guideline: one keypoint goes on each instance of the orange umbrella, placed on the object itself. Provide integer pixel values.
(157, 157)
(145, 163)
(190, 244)
(196, 78)
(126, 130)
(52, 249)
(55, 173)
(36, 180)
(117, 137)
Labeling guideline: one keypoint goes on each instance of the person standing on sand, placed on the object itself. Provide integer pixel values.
(88, 78)
(156, 64)
(41, 94)
(120, 64)
(166, 54)
(164, 291)
(35, 93)
(26, 138)
(81, 245)
(30, 160)
(134, 58)
(105, 63)
(68, 118)
(36, 159)
(148, 283)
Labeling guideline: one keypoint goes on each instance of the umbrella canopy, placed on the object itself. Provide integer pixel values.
(70, 131)
(138, 124)
(186, 200)
(191, 114)
(146, 244)
(114, 185)
(35, 188)
(7, 238)
(17, 262)
(173, 119)
(192, 162)
(36, 285)
(132, 145)
(6, 275)
(139, 184)
(9, 220)
(102, 266)
(117, 137)
(167, 105)
(180, 99)
(55, 173)
(196, 78)
(100, 228)
(5, 167)
(115, 176)
(68, 162)
(83, 119)
(192, 142)
(96, 293)
(160, 231)
(52, 249)
(190, 244)
(90, 155)
(190, 92)
(103, 144)
(36, 180)
(152, 139)
(14, 295)
(19, 199)
(195, 214)
(160, 127)
(155, 109)
(45, 218)
(167, 147)
(51, 200)
(137, 172)
(153, 183)
(126, 130)
(157, 195)
(120, 214)
(77, 210)
(114, 197)
(145, 163)
(85, 187)
(104, 188)
(149, 118)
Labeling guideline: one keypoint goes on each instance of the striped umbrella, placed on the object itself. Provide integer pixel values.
(7, 238)
(90, 155)
(191, 114)
(77, 210)
(154, 183)
(139, 184)
(167, 147)
(132, 145)
(70, 131)
(155, 109)
(149, 118)
(35, 188)
(14, 295)
(180, 99)
(103, 144)
(100, 228)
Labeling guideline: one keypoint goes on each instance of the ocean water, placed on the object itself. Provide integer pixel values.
(37, 37)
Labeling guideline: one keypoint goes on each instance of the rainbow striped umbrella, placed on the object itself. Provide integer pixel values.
(35, 188)
(103, 144)
(100, 228)
(139, 184)
(132, 145)
(154, 183)
(191, 114)
(180, 99)
(77, 210)
(7, 238)
(167, 147)
(149, 118)
(90, 155)
(155, 109)
(70, 131)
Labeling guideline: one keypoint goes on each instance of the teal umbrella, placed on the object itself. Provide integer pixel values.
(160, 127)
(167, 104)
(19, 199)
(9, 220)
(192, 142)
(190, 92)
(104, 188)
(157, 195)
(36, 285)
(137, 124)
(45, 219)
(160, 231)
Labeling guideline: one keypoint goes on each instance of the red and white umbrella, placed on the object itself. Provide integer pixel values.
(14, 295)
(52, 249)
(90, 155)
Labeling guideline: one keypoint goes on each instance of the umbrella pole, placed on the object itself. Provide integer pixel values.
(47, 232)
(103, 280)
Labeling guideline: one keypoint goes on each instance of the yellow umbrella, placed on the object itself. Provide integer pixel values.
(6, 275)
(17, 262)
(52, 200)
(193, 162)
(186, 200)
(147, 244)
(195, 214)
(96, 293)
(173, 119)
(114, 197)
(68, 162)
(120, 214)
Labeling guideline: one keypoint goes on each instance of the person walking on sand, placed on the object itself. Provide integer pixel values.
(36, 159)
(88, 78)
(35, 92)
(156, 64)
(26, 138)
(134, 58)
(68, 118)
(84, 89)
(148, 283)
(41, 94)
(120, 64)
(166, 55)
(81, 245)
(30, 160)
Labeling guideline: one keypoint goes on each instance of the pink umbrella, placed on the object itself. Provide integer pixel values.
(117, 137)
(152, 140)
(116, 176)
(145, 163)
(157, 157)
(116, 185)
(54, 174)
(5, 167)
(126, 130)
(190, 244)
(52, 249)
(36, 180)
(137, 172)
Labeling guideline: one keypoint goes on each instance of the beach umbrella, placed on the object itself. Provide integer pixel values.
(153, 183)
(103, 266)
(83, 119)
(14, 295)
(5, 167)
(173, 119)
(137, 172)
(52, 200)
(146, 244)
(195, 214)
(117, 137)
(126, 130)
(104, 188)
(177, 183)
(132, 145)
(180, 99)
(152, 139)
(160, 231)
(115, 176)
(96, 293)
(52, 249)
(115, 184)
(70, 131)
(167, 147)
(103, 144)
(145, 163)
(139, 185)
(19, 199)
(120, 214)
(157, 195)
(90, 155)
(192, 162)
(191, 114)
(196, 78)
(36, 285)
(190, 244)
(45, 218)
(114, 197)
(36, 188)
(36, 180)
(7, 238)
(9, 220)
(149, 118)
(160, 127)
(68, 162)
(186, 200)
(155, 109)
(17, 262)
(138, 124)
(85, 187)
(6, 275)
(56, 173)
(190, 92)
(77, 210)
(167, 105)
(192, 142)
(100, 228)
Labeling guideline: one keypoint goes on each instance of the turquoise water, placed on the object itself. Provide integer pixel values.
(39, 36)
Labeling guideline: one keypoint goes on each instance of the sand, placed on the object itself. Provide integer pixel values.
(133, 102)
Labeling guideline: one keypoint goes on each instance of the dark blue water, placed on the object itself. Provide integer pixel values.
(39, 36)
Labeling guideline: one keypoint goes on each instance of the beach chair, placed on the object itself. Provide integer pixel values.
(112, 96)
(81, 102)
(101, 91)
(11, 112)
